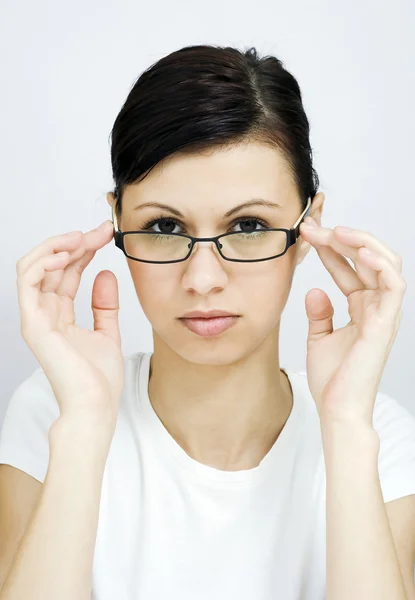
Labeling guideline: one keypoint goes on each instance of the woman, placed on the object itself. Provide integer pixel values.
(204, 469)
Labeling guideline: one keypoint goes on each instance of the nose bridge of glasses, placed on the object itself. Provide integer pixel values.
(213, 241)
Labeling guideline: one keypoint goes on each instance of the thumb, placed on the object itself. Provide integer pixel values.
(320, 313)
(105, 305)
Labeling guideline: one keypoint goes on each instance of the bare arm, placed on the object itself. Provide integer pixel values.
(55, 556)
(19, 494)
(361, 557)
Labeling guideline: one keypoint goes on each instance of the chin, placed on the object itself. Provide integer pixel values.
(227, 348)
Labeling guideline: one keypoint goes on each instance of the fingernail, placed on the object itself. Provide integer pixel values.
(344, 228)
(72, 233)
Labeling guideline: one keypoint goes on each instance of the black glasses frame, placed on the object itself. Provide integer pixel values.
(292, 236)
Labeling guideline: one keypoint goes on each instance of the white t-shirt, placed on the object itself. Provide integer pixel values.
(171, 527)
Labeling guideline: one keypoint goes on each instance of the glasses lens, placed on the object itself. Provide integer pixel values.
(156, 247)
(254, 246)
(241, 246)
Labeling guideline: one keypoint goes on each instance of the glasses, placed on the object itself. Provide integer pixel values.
(164, 248)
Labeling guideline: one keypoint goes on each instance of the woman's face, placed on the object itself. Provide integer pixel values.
(203, 187)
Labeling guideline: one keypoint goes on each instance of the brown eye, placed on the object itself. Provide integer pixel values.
(248, 225)
(166, 225)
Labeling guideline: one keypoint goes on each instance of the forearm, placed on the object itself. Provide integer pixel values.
(54, 559)
(361, 558)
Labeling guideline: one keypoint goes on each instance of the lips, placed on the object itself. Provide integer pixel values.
(208, 327)
(208, 314)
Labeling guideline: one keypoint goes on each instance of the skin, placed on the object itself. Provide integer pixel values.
(224, 399)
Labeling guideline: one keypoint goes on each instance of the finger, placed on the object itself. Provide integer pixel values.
(73, 274)
(343, 274)
(320, 312)
(394, 286)
(324, 236)
(59, 243)
(362, 239)
(62, 281)
(367, 275)
(350, 241)
(358, 238)
(321, 237)
(87, 244)
(105, 304)
(31, 273)
(51, 280)
(28, 284)
(70, 283)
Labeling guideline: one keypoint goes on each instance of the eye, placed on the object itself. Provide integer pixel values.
(167, 224)
(166, 227)
(248, 224)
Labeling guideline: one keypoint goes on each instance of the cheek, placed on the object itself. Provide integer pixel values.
(265, 301)
(261, 290)
(155, 285)
(266, 291)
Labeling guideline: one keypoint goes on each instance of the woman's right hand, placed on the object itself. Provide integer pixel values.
(85, 368)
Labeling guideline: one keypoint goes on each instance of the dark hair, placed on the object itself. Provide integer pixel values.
(209, 97)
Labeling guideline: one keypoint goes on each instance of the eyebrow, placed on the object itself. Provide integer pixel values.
(175, 211)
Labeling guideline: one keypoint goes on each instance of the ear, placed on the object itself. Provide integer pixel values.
(110, 198)
(315, 212)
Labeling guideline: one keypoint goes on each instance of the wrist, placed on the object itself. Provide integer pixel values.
(352, 434)
(88, 433)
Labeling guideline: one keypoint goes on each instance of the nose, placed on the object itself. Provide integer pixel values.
(204, 270)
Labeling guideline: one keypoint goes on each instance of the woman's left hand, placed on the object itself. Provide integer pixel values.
(345, 366)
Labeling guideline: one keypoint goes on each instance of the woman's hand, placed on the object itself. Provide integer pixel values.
(345, 366)
(85, 368)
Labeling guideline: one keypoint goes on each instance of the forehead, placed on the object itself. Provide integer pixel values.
(217, 179)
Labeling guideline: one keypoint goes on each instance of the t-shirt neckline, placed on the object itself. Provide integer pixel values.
(199, 470)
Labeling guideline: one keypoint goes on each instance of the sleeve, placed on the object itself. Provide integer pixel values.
(395, 426)
(24, 436)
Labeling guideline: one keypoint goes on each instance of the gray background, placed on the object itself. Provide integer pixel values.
(66, 70)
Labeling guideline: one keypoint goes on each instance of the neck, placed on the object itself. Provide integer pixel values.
(227, 416)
